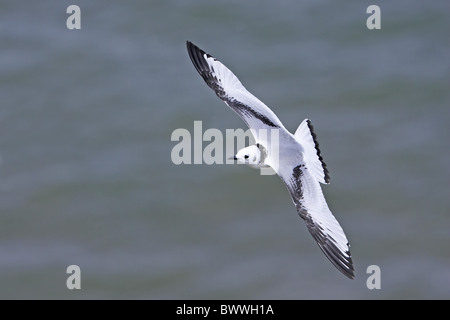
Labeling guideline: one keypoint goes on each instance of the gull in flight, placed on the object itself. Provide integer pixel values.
(294, 157)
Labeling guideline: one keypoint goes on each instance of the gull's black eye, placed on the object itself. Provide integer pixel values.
(246, 156)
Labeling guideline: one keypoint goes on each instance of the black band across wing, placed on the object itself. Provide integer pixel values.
(197, 56)
(241, 108)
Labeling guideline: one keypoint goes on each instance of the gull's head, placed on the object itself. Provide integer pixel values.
(250, 156)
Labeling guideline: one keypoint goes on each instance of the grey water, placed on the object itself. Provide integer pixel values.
(86, 176)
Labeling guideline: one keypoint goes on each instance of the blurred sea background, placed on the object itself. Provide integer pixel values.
(86, 176)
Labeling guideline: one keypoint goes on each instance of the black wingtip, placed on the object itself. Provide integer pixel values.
(189, 45)
(341, 259)
(343, 263)
(196, 55)
(192, 48)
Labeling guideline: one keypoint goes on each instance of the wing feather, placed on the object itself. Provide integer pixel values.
(228, 88)
(311, 206)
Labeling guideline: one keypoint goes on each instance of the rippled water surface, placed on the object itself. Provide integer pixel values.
(86, 176)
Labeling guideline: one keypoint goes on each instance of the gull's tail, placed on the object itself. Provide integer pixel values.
(307, 138)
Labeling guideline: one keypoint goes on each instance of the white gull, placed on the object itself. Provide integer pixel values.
(295, 157)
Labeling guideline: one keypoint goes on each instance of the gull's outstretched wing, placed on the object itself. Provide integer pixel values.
(228, 88)
(311, 206)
